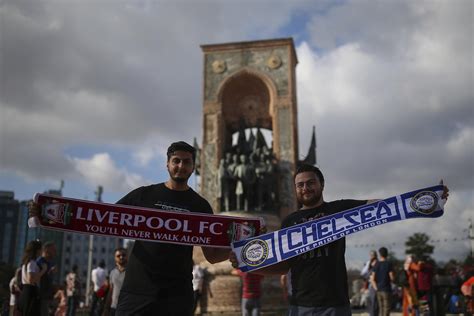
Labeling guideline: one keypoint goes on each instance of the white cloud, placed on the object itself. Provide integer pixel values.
(388, 86)
(100, 169)
(388, 118)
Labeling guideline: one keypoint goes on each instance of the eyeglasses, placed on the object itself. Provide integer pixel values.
(310, 183)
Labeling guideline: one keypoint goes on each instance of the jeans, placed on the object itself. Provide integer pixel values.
(250, 306)
(383, 299)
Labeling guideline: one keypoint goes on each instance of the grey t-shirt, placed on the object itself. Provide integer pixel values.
(116, 279)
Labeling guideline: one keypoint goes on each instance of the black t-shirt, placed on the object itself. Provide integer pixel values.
(152, 265)
(382, 277)
(319, 276)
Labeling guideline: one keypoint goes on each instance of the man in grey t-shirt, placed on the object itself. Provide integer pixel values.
(116, 278)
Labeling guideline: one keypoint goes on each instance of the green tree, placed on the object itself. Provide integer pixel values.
(418, 245)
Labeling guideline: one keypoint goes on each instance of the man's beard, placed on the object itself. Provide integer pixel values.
(180, 179)
(311, 201)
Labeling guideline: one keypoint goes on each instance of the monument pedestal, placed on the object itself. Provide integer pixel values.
(222, 291)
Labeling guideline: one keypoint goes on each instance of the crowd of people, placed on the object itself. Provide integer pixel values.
(415, 287)
(34, 292)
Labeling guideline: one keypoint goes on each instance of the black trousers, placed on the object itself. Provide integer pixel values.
(177, 301)
(29, 302)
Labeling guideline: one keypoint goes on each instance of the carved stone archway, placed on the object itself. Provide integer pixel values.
(253, 82)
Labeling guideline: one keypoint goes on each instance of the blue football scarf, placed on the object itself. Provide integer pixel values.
(264, 250)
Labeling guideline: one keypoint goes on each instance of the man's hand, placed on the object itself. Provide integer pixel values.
(233, 260)
(445, 194)
(34, 214)
(33, 209)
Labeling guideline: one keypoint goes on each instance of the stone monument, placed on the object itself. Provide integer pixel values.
(248, 87)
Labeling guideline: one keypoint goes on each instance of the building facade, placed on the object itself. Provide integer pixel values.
(9, 209)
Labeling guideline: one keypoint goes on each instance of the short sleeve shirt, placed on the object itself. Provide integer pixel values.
(319, 276)
(152, 265)
(116, 279)
(31, 267)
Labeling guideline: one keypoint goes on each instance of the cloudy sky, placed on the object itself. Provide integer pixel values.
(93, 91)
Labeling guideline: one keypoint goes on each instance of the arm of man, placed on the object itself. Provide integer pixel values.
(365, 270)
(372, 280)
(215, 255)
(94, 277)
(444, 195)
(392, 276)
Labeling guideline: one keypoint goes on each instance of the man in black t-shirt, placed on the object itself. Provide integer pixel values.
(159, 275)
(318, 277)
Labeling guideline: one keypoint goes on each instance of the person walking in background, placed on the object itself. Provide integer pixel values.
(371, 302)
(116, 277)
(251, 292)
(198, 282)
(15, 291)
(73, 288)
(410, 302)
(31, 274)
(46, 285)
(98, 277)
(60, 296)
(381, 279)
(467, 288)
(424, 283)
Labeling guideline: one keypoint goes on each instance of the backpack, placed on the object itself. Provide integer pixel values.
(402, 278)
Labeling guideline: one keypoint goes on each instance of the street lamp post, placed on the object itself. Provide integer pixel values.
(98, 198)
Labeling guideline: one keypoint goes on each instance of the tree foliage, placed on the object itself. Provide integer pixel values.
(418, 245)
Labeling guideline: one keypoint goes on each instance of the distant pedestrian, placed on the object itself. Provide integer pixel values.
(371, 301)
(198, 283)
(98, 276)
(31, 274)
(410, 303)
(46, 285)
(73, 291)
(424, 282)
(61, 298)
(381, 278)
(15, 293)
(116, 277)
(251, 292)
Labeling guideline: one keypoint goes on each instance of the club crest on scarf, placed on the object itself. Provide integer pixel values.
(238, 231)
(57, 213)
(255, 252)
(424, 202)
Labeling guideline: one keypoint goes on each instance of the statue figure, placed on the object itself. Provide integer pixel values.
(260, 183)
(270, 178)
(233, 161)
(226, 182)
(245, 175)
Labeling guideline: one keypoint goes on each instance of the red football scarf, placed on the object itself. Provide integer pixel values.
(133, 222)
